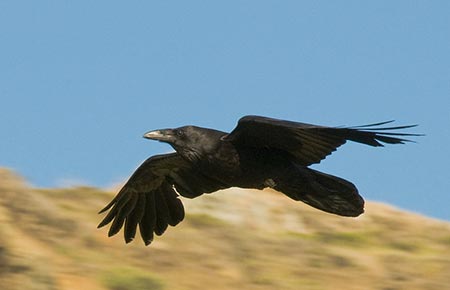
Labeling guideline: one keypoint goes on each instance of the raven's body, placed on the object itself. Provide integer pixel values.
(261, 152)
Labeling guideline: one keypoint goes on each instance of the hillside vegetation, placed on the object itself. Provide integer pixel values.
(235, 239)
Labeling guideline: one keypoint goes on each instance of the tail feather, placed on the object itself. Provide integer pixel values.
(322, 191)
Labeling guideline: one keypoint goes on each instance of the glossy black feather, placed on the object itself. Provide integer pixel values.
(134, 218)
(148, 222)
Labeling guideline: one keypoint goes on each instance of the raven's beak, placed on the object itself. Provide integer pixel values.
(164, 135)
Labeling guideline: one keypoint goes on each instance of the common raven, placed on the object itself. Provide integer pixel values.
(260, 152)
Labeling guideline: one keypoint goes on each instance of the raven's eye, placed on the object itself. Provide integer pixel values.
(180, 133)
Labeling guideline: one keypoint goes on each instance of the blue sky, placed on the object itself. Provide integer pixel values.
(81, 81)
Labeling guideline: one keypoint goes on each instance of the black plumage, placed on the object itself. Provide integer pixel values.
(260, 152)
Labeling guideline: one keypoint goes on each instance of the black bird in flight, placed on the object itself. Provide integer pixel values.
(260, 152)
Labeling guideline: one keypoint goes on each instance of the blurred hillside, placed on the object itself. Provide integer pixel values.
(234, 239)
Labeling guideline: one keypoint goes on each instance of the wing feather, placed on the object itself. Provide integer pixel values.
(134, 218)
(162, 213)
(119, 219)
(148, 221)
(310, 143)
(149, 201)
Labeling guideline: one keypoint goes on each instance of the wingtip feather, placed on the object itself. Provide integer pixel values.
(101, 224)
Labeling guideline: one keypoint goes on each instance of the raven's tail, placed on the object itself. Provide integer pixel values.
(322, 191)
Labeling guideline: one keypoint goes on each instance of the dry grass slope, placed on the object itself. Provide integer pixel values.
(234, 239)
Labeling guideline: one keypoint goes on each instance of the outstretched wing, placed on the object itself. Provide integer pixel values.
(309, 143)
(149, 200)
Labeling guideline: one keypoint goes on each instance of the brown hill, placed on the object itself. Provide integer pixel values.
(235, 239)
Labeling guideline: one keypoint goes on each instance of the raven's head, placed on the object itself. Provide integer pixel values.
(189, 141)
